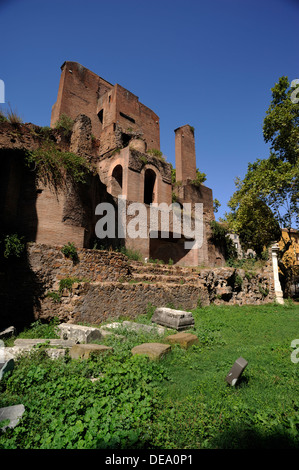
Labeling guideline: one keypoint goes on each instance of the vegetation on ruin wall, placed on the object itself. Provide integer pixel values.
(10, 116)
(221, 239)
(52, 165)
(181, 402)
(11, 245)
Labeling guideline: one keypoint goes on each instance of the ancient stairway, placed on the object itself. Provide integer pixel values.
(153, 273)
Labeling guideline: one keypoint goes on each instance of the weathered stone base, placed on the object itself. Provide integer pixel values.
(183, 339)
(176, 319)
(83, 351)
(154, 351)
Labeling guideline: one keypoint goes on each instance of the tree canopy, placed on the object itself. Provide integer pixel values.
(267, 197)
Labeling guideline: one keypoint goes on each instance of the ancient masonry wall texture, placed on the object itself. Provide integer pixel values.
(110, 286)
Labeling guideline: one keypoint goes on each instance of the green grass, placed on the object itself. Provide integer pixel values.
(182, 402)
(262, 411)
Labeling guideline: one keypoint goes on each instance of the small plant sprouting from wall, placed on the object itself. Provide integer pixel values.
(134, 255)
(65, 123)
(10, 116)
(3, 118)
(70, 251)
(150, 310)
(238, 281)
(143, 159)
(263, 291)
(67, 283)
(156, 153)
(12, 245)
(55, 296)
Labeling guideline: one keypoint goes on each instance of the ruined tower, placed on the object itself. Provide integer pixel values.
(185, 159)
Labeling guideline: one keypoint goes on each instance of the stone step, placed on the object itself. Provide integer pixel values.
(165, 278)
(137, 267)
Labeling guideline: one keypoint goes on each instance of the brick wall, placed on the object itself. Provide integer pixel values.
(110, 286)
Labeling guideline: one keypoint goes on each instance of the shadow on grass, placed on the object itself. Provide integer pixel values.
(242, 437)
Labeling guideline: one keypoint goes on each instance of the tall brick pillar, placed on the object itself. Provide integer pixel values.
(185, 159)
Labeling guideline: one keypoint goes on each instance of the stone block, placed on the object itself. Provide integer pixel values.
(55, 353)
(154, 351)
(236, 371)
(185, 340)
(175, 319)
(83, 351)
(13, 414)
(10, 331)
(155, 329)
(6, 367)
(79, 333)
(30, 343)
(15, 352)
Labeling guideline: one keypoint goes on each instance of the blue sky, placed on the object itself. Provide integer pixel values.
(210, 64)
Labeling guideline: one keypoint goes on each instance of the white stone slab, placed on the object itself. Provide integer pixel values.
(13, 413)
(171, 318)
(79, 333)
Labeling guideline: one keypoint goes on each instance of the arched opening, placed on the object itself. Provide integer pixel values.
(149, 185)
(117, 180)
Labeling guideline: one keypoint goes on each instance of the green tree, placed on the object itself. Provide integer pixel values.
(254, 222)
(268, 195)
(216, 205)
(199, 179)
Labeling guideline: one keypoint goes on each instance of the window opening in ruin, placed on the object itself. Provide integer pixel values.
(127, 117)
(149, 185)
(125, 139)
(117, 180)
(100, 115)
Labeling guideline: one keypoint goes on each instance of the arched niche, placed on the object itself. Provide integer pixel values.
(150, 183)
(117, 180)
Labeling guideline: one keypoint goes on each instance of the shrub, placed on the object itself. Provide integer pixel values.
(200, 178)
(155, 153)
(70, 251)
(55, 296)
(67, 283)
(3, 118)
(238, 281)
(221, 238)
(53, 166)
(13, 245)
(134, 255)
(65, 123)
(13, 117)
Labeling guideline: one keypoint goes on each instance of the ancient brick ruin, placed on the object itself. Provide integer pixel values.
(120, 137)
(125, 131)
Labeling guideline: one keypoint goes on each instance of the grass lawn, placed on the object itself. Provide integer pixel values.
(182, 402)
(262, 410)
